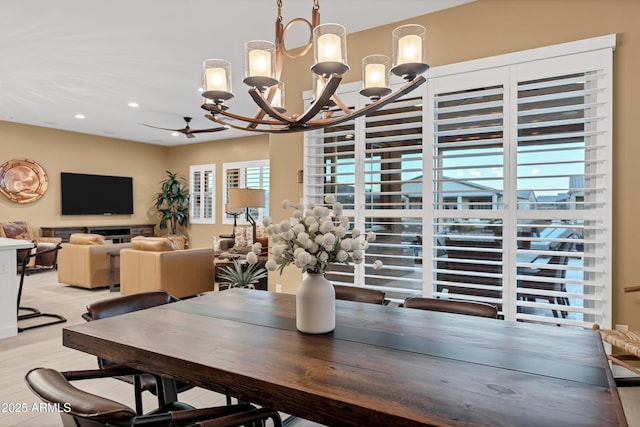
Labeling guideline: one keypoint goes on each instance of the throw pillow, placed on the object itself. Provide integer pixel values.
(153, 244)
(86, 239)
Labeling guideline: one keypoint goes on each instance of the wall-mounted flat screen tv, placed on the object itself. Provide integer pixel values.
(84, 194)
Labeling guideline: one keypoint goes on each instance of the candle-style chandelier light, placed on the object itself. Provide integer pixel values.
(263, 66)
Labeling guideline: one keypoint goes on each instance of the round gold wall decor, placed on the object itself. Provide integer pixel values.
(23, 180)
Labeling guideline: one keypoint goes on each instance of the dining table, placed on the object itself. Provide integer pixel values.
(381, 366)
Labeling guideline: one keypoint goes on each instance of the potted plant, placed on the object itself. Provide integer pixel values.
(172, 202)
(241, 276)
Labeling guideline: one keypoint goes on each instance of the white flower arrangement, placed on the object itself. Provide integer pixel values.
(314, 238)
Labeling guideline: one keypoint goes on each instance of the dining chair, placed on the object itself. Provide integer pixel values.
(354, 293)
(627, 341)
(471, 308)
(49, 253)
(79, 408)
(550, 279)
(126, 304)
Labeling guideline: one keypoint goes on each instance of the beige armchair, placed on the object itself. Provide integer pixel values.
(84, 261)
(156, 263)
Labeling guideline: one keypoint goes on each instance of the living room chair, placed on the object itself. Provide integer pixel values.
(126, 304)
(470, 308)
(354, 293)
(33, 313)
(82, 409)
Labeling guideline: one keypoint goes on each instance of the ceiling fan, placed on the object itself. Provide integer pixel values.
(188, 131)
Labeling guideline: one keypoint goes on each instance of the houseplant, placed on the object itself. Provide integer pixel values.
(239, 276)
(312, 239)
(172, 202)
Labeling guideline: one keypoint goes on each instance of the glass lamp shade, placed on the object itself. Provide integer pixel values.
(318, 87)
(217, 80)
(409, 51)
(330, 50)
(260, 64)
(375, 76)
(277, 102)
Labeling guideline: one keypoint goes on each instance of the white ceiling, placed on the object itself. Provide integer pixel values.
(90, 57)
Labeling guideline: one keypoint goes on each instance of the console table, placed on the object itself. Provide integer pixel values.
(116, 233)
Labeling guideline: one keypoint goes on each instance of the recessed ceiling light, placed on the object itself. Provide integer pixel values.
(80, 116)
(200, 90)
(175, 134)
(133, 104)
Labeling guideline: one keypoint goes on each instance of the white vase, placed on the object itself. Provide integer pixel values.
(315, 305)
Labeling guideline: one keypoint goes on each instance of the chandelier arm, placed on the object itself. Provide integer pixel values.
(243, 128)
(318, 124)
(242, 118)
(341, 104)
(328, 91)
(264, 105)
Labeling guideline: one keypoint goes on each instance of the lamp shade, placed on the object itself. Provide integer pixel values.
(245, 198)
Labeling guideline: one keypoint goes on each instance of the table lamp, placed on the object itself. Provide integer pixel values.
(246, 198)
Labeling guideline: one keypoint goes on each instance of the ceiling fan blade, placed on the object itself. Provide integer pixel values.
(156, 127)
(218, 129)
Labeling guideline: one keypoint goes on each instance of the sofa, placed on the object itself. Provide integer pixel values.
(84, 260)
(157, 263)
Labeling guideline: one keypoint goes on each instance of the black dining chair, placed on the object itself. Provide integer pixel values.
(470, 308)
(46, 254)
(78, 408)
(354, 293)
(550, 277)
(126, 304)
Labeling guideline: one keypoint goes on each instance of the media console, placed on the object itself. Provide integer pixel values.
(117, 233)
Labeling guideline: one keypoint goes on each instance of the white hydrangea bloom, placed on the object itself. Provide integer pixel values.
(298, 228)
(371, 236)
(355, 233)
(278, 250)
(323, 257)
(328, 241)
(285, 225)
(346, 245)
(330, 199)
(271, 265)
(313, 228)
(340, 231)
(342, 256)
(266, 221)
(252, 258)
(357, 254)
(256, 248)
(288, 235)
(377, 265)
(285, 204)
(325, 227)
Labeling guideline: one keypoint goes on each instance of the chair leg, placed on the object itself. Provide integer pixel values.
(34, 312)
(137, 390)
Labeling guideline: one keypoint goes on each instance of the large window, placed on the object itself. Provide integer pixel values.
(252, 174)
(493, 184)
(202, 181)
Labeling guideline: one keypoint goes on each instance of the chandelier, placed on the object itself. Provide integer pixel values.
(263, 66)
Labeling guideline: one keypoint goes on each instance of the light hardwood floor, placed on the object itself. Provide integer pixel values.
(43, 347)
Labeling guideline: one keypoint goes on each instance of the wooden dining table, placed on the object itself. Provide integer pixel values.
(381, 366)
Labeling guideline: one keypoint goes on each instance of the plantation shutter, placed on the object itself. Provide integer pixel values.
(564, 160)
(202, 184)
(467, 214)
(252, 174)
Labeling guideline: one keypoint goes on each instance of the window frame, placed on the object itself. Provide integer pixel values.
(202, 218)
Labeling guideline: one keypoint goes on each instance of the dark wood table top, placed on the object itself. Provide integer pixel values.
(382, 366)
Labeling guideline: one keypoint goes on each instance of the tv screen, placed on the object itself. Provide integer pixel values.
(84, 194)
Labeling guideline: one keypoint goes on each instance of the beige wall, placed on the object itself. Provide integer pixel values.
(479, 29)
(217, 152)
(60, 151)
